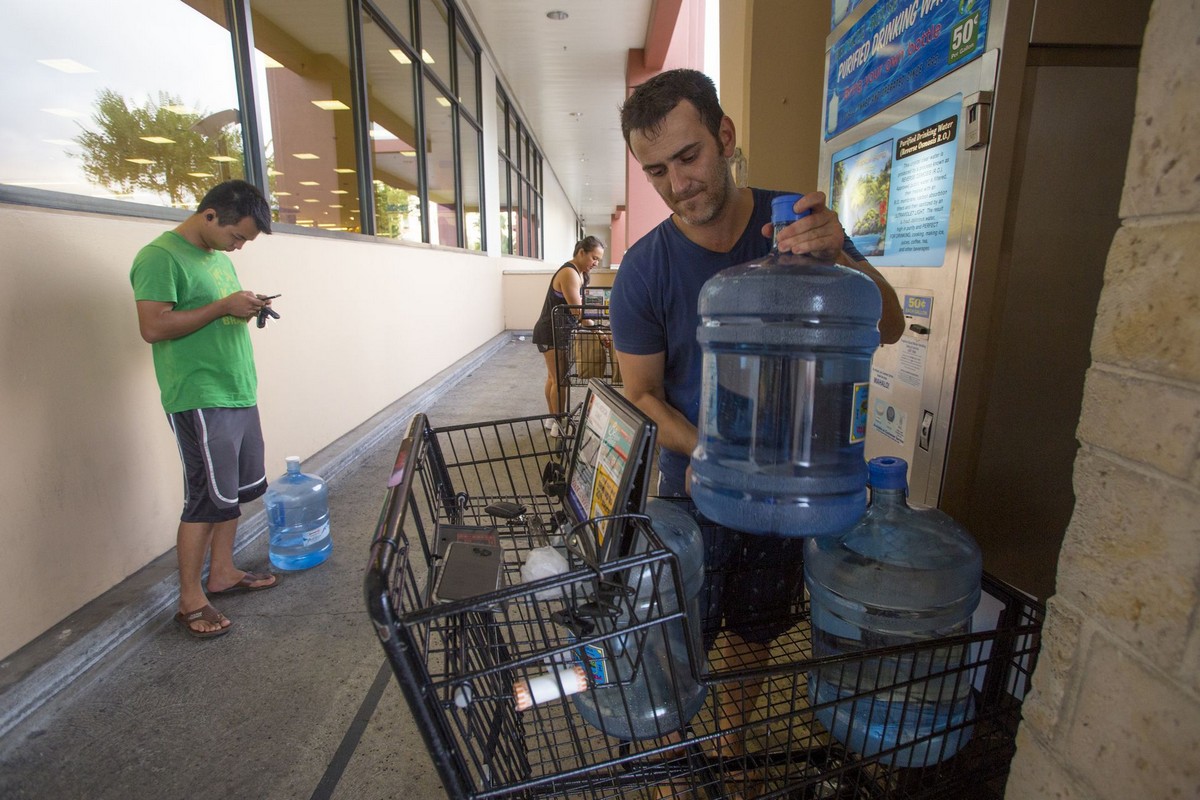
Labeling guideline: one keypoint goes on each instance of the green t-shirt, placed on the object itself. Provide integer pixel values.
(212, 367)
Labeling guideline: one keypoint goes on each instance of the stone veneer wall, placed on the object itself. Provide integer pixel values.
(1115, 710)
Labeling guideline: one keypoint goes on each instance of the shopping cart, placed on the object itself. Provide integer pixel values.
(461, 662)
(586, 350)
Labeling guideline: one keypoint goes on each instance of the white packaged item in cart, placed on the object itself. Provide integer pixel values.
(544, 562)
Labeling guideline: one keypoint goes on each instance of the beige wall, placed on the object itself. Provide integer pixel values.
(782, 83)
(1115, 711)
(524, 292)
(90, 480)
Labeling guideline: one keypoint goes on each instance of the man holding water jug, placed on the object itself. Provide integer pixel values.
(675, 128)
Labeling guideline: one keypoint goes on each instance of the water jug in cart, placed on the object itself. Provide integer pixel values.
(905, 577)
(787, 343)
(298, 519)
(642, 681)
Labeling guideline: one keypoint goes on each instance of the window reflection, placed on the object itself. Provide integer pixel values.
(470, 139)
(439, 160)
(391, 104)
(435, 38)
(308, 124)
(468, 83)
(93, 120)
(520, 183)
(87, 117)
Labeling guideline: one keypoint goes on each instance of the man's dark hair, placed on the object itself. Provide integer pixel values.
(653, 100)
(587, 244)
(234, 200)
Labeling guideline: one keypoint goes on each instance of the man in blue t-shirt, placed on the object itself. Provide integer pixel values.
(675, 128)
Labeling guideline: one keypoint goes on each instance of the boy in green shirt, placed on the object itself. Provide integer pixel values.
(194, 313)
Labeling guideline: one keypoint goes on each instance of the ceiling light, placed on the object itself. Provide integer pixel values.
(306, 156)
(309, 183)
(224, 159)
(68, 65)
(409, 153)
(157, 139)
(428, 59)
(201, 174)
(139, 161)
(331, 105)
(344, 170)
(443, 102)
(400, 56)
(338, 191)
(557, 16)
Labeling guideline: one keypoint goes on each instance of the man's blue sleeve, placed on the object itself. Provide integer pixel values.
(636, 328)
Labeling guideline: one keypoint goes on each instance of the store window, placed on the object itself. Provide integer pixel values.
(399, 121)
(470, 144)
(521, 184)
(83, 115)
(305, 107)
(439, 159)
(435, 39)
(392, 107)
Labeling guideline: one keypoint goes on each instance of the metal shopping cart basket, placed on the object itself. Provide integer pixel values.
(463, 662)
(586, 349)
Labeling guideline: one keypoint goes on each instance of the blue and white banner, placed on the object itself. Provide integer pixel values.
(897, 48)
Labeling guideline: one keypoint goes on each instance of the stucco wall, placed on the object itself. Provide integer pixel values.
(90, 480)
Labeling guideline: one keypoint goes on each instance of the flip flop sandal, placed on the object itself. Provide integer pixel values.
(208, 614)
(244, 585)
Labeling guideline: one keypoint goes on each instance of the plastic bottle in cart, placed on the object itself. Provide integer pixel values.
(787, 343)
(298, 519)
(901, 576)
(642, 682)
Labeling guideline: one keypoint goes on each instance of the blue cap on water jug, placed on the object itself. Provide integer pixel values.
(782, 211)
(887, 472)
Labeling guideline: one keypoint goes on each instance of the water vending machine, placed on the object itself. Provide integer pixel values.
(975, 152)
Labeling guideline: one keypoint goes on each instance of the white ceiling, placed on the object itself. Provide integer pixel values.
(577, 66)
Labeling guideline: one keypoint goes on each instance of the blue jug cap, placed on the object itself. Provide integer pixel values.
(781, 209)
(887, 472)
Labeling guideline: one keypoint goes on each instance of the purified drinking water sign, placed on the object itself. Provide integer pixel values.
(897, 49)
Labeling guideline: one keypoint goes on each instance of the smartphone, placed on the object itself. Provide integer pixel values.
(469, 570)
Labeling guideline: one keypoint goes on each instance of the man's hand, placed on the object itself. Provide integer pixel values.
(819, 234)
(244, 304)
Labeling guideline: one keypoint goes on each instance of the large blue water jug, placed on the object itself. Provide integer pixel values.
(642, 681)
(298, 519)
(901, 576)
(787, 344)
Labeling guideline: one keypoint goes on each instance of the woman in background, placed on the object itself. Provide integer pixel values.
(566, 288)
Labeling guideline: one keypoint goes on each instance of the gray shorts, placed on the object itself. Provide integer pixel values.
(222, 454)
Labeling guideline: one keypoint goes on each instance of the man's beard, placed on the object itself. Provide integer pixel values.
(713, 200)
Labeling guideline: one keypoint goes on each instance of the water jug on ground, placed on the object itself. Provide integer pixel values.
(298, 519)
